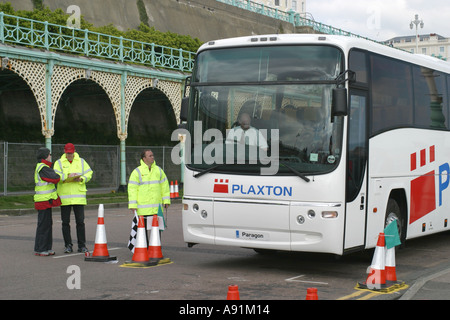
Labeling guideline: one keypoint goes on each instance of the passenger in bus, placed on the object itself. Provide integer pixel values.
(246, 134)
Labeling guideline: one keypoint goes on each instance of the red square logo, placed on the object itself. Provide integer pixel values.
(220, 186)
(423, 196)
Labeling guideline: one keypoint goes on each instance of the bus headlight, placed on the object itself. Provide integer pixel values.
(329, 214)
(204, 214)
(195, 207)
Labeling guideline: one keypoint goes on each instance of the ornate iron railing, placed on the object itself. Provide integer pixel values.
(38, 34)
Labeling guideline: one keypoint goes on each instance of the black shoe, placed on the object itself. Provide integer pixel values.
(68, 249)
(83, 249)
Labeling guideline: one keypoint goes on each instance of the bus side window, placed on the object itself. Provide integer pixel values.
(392, 90)
(358, 64)
(430, 105)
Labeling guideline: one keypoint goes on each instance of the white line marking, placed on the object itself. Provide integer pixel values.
(294, 279)
(77, 254)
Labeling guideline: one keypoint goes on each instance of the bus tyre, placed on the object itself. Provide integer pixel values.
(393, 212)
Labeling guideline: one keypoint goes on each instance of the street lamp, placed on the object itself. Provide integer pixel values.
(416, 22)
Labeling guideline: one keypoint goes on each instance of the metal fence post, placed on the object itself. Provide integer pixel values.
(2, 28)
(46, 35)
(5, 168)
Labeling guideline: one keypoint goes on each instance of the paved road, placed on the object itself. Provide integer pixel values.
(203, 272)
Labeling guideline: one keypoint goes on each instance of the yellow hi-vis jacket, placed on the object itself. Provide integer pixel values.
(147, 189)
(44, 190)
(72, 192)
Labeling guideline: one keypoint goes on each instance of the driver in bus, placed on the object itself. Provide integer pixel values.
(246, 134)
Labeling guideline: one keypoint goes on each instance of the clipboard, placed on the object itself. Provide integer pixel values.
(71, 179)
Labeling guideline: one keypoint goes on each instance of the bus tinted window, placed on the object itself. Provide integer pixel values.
(391, 94)
(357, 64)
(429, 92)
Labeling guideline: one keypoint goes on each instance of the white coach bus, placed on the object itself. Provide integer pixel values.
(354, 135)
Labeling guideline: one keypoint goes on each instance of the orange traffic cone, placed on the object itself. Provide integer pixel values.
(140, 250)
(172, 192)
(377, 271)
(154, 247)
(391, 274)
(176, 193)
(233, 293)
(311, 294)
(100, 253)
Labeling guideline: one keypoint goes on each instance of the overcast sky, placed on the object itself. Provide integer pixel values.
(382, 19)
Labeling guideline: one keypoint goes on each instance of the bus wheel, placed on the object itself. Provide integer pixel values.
(393, 213)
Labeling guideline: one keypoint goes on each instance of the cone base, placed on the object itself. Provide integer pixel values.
(135, 264)
(371, 286)
(151, 263)
(389, 287)
(100, 259)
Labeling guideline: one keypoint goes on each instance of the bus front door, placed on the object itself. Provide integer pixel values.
(356, 179)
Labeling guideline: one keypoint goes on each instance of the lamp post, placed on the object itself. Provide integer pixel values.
(416, 22)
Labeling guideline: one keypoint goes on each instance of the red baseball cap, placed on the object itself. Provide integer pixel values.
(69, 148)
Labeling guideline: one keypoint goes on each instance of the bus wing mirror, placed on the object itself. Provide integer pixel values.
(339, 102)
(184, 109)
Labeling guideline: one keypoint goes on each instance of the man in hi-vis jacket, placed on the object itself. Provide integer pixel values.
(75, 172)
(148, 187)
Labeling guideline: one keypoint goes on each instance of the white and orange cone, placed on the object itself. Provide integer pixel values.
(154, 247)
(391, 274)
(176, 193)
(377, 271)
(140, 254)
(172, 190)
(100, 253)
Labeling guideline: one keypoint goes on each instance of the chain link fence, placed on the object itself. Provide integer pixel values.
(18, 162)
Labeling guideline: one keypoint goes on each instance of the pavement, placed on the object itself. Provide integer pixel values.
(435, 286)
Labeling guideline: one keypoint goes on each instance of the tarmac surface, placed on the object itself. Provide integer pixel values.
(432, 283)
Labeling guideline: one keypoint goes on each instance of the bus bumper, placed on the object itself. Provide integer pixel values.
(276, 225)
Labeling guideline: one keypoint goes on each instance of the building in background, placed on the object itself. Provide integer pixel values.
(429, 44)
(298, 6)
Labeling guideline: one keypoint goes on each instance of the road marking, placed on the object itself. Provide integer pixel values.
(358, 293)
(77, 254)
(294, 279)
(370, 295)
(354, 294)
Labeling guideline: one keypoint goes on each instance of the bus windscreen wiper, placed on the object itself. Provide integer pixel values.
(207, 170)
(301, 175)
